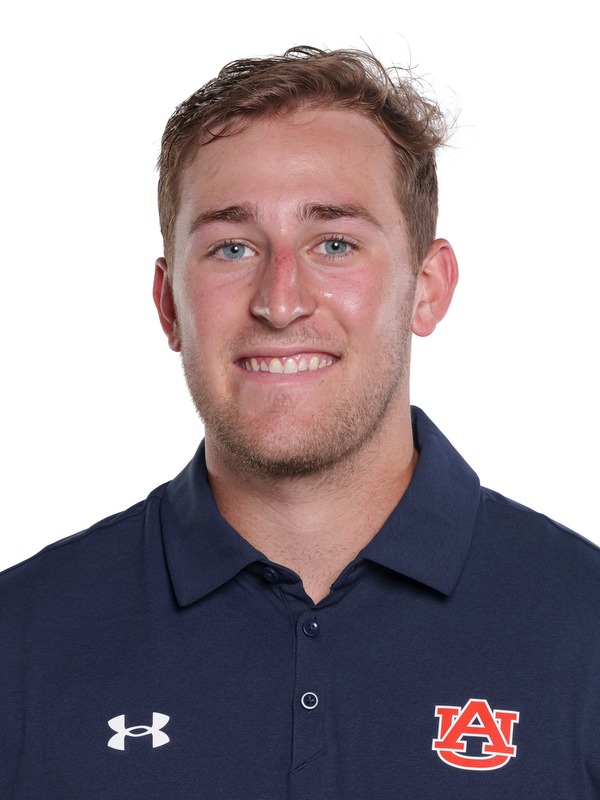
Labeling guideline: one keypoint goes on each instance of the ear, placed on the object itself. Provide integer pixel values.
(435, 286)
(162, 293)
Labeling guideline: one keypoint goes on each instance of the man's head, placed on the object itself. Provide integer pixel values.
(252, 89)
(294, 275)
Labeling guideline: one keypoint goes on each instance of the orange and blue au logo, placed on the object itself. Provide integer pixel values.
(476, 718)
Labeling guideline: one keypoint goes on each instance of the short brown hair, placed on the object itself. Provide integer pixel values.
(253, 88)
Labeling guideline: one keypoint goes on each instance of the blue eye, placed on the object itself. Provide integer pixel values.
(336, 246)
(234, 251)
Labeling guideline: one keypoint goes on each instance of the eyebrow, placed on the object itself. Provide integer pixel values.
(246, 212)
(327, 211)
(308, 212)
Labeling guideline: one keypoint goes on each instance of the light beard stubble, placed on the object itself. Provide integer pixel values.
(354, 421)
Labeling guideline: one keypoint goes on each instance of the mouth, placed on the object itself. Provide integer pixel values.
(288, 365)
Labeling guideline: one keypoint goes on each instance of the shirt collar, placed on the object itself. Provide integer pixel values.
(426, 537)
(203, 551)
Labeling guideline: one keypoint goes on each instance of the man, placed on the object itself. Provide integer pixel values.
(324, 603)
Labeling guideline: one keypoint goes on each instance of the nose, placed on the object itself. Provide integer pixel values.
(283, 292)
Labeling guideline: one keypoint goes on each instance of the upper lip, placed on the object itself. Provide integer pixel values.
(268, 351)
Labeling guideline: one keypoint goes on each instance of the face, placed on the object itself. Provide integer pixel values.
(291, 294)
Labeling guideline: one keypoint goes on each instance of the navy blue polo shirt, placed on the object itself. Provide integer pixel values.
(158, 655)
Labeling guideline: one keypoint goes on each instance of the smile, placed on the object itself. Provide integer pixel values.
(288, 365)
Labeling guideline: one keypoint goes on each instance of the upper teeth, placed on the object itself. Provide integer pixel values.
(286, 365)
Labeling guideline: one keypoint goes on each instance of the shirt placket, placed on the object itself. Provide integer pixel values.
(309, 706)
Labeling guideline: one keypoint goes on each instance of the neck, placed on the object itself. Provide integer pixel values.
(316, 524)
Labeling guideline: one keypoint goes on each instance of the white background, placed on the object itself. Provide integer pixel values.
(94, 408)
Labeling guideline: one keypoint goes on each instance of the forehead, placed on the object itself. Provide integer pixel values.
(305, 151)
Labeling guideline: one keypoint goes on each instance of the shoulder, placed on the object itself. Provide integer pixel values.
(539, 550)
(507, 515)
(80, 558)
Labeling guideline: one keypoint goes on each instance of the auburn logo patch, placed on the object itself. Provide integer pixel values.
(476, 718)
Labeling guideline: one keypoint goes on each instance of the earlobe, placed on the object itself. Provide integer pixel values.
(162, 293)
(435, 286)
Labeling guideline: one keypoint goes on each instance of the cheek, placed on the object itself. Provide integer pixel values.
(201, 305)
(351, 293)
(371, 299)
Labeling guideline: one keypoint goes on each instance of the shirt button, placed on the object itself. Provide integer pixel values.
(311, 628)
(309, 700)
(271, 575)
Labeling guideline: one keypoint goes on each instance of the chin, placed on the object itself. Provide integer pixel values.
(284, 464)
(293, 450)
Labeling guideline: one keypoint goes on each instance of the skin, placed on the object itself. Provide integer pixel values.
(290, 249)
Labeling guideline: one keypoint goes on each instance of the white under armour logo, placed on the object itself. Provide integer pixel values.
(117, 742)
